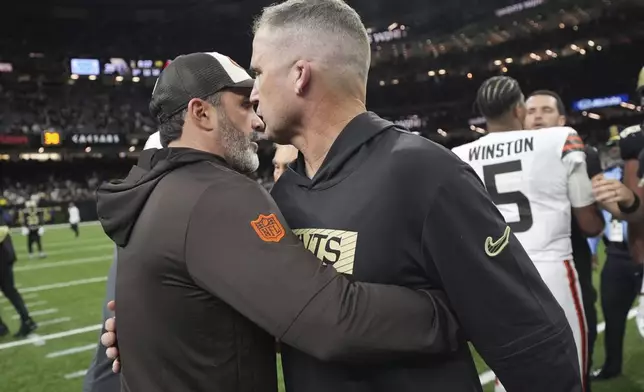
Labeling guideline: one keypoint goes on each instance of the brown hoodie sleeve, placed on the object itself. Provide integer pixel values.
(239, 248)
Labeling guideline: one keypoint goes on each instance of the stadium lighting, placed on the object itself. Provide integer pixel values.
(132, 148)
(628, 105)
(591, 43)
(92, 77)
(473, 127)
(584, 113)
(469, 75)
(575, 28)
(504, 69)
(41, 150)
(88, 149)
(582, 52)
(574, 47)
(442, 72)
(395, 81)
(74, 76)
(431, 73)
(392, 26)
(441, 132)
(594, 116)
(136, 79)
(599, 48)
(382, 82)
(562, 26)
(508, 60)
(119, 78)
(402, 27)
(498, 62)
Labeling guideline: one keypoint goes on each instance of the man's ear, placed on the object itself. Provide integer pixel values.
(199, 113)
(302, 76)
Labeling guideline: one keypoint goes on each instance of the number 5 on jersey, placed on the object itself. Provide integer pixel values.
(525, 212)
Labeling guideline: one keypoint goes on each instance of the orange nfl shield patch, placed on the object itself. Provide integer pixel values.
(268, 228)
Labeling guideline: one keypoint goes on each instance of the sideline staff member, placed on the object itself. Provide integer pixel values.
(206, 260)
(7, 284)
(621, 280)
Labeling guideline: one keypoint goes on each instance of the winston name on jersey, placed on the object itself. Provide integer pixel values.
(526, 175)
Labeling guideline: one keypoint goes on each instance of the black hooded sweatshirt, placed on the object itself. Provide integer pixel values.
(390, 207)
(209, 270)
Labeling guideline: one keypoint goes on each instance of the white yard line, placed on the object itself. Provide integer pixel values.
(488, 377)
(59, 226)
(70, 249)
(26, 296)
(63, 284)
(77, 374)
(39, 313)
(59, 335)
(56, 264)
(50, 244)
(71, 351)
(29, 305)
(54, 321)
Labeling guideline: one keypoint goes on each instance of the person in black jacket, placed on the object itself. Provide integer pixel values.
(362, 186)
(7, 284)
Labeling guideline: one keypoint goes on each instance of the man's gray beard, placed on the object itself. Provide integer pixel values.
(239, 152)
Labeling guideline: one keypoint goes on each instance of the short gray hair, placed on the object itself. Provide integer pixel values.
(330, 28)
(172, 129)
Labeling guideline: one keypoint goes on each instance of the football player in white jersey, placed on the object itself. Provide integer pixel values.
(546, 110)
(536, 179)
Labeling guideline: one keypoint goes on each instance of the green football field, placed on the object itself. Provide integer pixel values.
(65, 291)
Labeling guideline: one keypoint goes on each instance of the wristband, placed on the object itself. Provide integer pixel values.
(633, 207)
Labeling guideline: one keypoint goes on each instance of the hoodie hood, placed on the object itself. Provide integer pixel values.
(346, 153)
(120, 202)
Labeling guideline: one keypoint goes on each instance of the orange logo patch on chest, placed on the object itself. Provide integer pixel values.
(268, 228)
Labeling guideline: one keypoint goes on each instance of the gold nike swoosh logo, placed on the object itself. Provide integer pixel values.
(494, 248)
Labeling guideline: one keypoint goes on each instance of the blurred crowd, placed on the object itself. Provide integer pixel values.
(77, 180)
(29, 107)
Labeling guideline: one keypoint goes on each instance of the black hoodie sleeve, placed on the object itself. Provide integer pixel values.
(501, 302)
(239, 248)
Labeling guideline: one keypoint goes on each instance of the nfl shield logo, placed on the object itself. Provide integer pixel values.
(268, 228)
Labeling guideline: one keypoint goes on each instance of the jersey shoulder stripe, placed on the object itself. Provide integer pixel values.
(572, 144)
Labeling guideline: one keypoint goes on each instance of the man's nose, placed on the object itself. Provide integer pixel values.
(257, 124)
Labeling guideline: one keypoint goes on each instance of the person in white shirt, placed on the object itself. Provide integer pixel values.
(537, 180)
(74, 218)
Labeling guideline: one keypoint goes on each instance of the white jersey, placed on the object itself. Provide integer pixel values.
(74, 215)
(527, 176)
